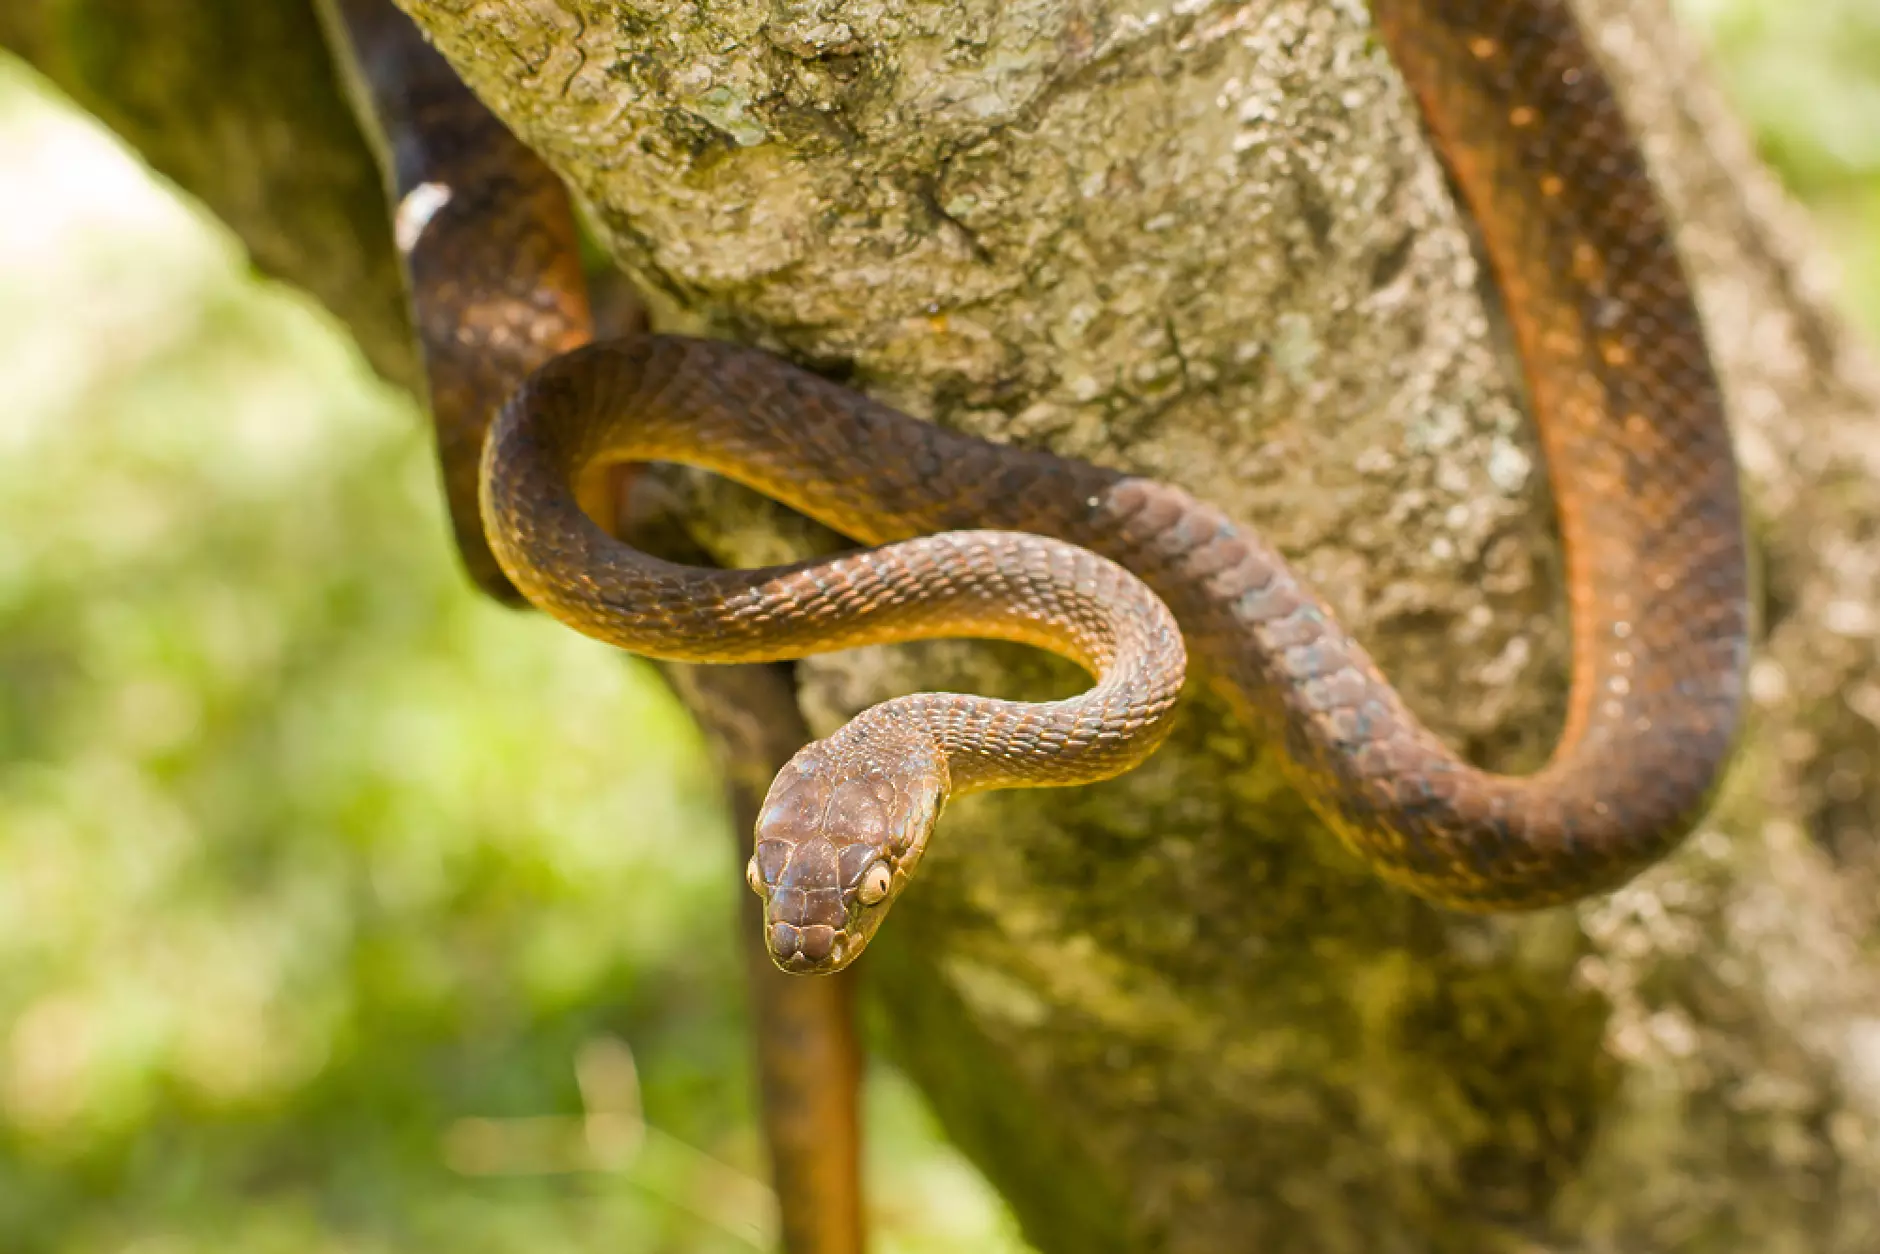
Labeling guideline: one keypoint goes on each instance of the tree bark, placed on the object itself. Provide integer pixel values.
(1205, 241)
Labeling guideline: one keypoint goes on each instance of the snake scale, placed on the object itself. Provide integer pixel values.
(978, 539)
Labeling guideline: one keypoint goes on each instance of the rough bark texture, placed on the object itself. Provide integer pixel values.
(1204, 241)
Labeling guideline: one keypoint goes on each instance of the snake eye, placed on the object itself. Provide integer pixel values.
(875, 884)
(753, 876)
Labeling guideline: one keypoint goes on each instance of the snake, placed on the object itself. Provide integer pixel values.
(1130, 577)
(454, 176)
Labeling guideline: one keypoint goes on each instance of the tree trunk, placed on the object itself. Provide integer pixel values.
(1205, 241)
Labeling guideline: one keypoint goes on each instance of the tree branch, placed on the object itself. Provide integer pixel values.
(1169, 1013)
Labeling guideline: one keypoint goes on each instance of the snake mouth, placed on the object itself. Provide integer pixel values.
(816, 947)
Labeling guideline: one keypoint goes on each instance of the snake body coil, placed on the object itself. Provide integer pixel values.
(1628, 411)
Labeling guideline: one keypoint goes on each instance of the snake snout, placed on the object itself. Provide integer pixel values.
(816, 947)
(805, 913)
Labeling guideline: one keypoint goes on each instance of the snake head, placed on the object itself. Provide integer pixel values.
(843, 827)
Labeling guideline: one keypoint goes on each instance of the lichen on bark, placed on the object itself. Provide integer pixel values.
(1204, 241)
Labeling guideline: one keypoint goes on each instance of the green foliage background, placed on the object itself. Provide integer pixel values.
(340, 910)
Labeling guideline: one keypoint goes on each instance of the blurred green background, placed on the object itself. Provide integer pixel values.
(339, 910)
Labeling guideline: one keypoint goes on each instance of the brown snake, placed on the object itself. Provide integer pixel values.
(485, 319)
(1629, 414)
